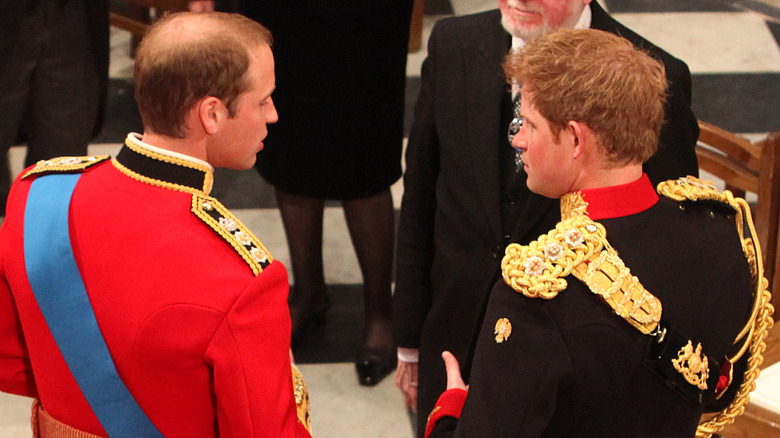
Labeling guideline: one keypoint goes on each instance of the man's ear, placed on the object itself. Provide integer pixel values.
(211, 111)
(577, 132)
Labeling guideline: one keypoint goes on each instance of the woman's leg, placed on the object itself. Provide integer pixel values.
(302, 218)
(371, 226)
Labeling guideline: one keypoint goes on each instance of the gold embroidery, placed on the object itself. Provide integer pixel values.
(502, 330)
(155, 182)
(301, 398)
(65, 164)
(578, 246)
(573, 205)
(538, 270)
(219, 218)
(437, 408)
(607, 276)
(693, 366)
(208, 181)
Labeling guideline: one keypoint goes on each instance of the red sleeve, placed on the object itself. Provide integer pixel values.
(16, 375)
(450, 404)
(250, 357)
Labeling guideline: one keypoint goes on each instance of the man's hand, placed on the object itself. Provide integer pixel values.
(406, 380)
(201, 6)
(454, 379)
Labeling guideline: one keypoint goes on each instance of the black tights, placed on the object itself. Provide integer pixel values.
(371, 226)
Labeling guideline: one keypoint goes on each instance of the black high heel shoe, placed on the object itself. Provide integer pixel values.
(373, 364)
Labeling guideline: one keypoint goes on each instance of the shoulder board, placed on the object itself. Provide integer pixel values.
(219, 218)
(578, 246)
(65, 165)
(692, 189)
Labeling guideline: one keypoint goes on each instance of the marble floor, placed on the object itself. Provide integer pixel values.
(731, 47)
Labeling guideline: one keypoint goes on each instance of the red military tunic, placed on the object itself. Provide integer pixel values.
(191, 306)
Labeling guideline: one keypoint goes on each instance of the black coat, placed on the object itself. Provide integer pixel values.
(11, 13)
(450, 239)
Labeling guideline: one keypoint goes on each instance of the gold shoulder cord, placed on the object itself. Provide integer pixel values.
(757, 327)
(578, 246)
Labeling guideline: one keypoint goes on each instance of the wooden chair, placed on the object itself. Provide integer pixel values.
(749, 167)
(135, 16)
(416, 27)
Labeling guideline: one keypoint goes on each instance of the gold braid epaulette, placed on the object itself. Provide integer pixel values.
(221, 220)
(757, 328)
(578, 246)
(65, 164)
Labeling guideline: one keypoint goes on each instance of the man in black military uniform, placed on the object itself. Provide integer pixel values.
(616, 323)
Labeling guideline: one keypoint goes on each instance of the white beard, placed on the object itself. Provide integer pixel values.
(530, 33)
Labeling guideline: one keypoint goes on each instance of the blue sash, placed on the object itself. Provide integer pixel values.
(57, 285)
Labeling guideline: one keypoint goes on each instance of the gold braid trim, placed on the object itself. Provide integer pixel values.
(155, 182)
(65, 164)
(578, 246)
(208, 181)
(762, 324)
(221, 220)
(607, 276)
(538, 270)
(301, 398)
(757, 327)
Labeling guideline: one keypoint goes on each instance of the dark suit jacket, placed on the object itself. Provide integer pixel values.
(11, 13)
(450, 240)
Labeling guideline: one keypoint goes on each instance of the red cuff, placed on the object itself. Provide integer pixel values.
(450, 404)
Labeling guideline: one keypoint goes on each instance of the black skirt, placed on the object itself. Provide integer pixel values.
(340, 79)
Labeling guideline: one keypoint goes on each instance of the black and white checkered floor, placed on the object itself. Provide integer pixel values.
(731, 47)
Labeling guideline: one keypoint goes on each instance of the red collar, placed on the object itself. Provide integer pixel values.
(618, 201)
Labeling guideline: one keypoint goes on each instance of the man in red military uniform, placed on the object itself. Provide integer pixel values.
(189, 306)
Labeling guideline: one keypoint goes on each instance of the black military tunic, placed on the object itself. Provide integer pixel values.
(570, 367)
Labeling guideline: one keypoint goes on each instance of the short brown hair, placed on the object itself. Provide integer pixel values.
(187, 56)
(599, 79)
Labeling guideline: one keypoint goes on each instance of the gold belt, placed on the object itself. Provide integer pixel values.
(46, 426)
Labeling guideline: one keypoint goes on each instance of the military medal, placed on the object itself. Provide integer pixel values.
(503, 330)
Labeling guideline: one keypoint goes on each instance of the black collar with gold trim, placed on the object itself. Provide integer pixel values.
(164, 170)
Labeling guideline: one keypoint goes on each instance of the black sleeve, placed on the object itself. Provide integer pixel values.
(444, 428)
(415, 244)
